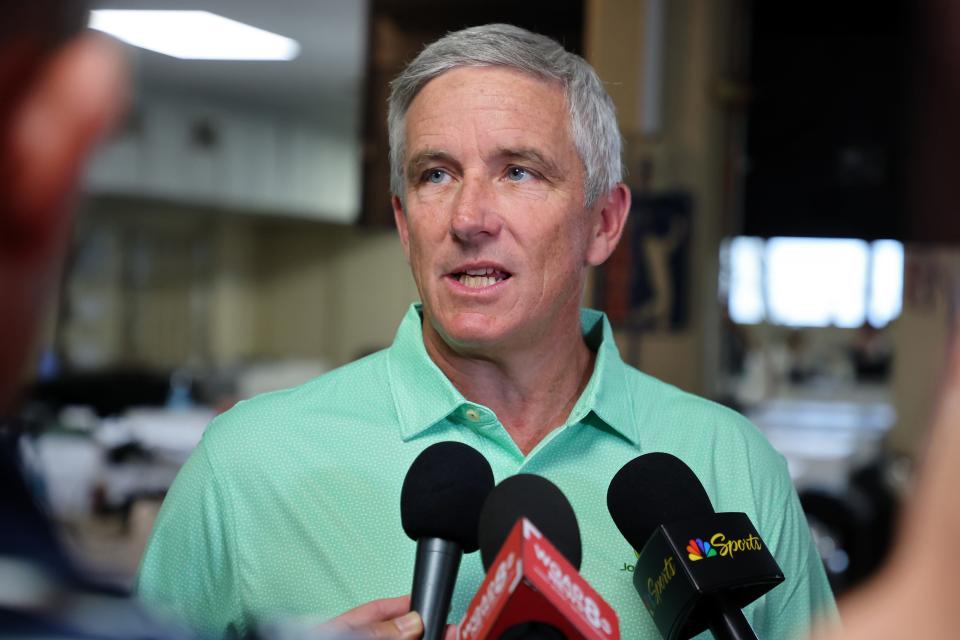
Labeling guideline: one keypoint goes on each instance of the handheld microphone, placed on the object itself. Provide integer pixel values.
(530, 546)
(440, 505)
(530, 496)
(696, 569)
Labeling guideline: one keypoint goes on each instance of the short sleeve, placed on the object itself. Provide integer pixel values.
(188, 570)
(805, 595)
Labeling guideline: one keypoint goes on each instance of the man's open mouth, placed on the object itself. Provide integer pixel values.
(479, 278)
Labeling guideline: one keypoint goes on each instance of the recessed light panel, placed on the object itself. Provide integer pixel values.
(194, 35)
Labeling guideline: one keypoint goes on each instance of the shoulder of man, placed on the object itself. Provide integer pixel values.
(741, 471)
(355, 393)
(667, 413)
(271, 441)
(737, 465)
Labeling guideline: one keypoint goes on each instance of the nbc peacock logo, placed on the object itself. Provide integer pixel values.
(698, 549)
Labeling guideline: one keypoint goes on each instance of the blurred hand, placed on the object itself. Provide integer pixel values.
(385, 618)
(915, 596)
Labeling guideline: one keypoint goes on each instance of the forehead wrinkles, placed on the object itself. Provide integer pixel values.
(513, 108)
(467, 89)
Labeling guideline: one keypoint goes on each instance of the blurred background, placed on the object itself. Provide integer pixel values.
(236, 237)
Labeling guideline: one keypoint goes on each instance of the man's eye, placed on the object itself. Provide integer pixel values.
(517, 174)
(436, 176)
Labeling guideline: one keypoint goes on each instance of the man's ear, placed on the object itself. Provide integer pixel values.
(77, 97)
(400, 218)
(608, 224)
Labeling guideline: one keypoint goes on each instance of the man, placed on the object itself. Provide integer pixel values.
(506, 183)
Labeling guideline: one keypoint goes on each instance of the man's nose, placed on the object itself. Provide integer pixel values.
(475, 215)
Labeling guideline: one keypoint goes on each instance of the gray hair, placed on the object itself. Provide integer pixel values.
(593, 118)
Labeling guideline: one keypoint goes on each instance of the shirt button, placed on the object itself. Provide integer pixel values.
(472, 414)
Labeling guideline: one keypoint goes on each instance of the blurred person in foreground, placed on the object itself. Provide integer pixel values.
(507, 187)
(917, 591)
(61, 89)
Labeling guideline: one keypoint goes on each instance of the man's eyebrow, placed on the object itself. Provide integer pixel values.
(425, 157)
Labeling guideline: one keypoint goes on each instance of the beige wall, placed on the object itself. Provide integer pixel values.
(209, 288)
(372, 290)
(294, 290)
(234, 292)
(140, 274)
(299, 289)
(686, 153)
(330, 291)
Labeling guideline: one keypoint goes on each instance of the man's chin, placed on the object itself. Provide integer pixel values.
(472, 331)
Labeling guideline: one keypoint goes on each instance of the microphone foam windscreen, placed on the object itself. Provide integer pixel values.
(654, 489)
(540, 501)
(444, 492)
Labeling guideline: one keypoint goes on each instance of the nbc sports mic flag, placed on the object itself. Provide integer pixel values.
(684, 563)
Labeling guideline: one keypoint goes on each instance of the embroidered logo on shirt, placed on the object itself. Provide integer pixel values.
(630, 567)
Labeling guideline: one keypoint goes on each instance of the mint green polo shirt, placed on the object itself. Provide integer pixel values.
(289, 508)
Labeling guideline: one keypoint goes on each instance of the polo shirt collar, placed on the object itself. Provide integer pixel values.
(607, 394)
(423, 396)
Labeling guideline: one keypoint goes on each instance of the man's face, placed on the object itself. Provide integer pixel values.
(494, 225)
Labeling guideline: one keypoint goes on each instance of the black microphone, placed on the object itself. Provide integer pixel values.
(440, 504)
(530, 548)
(535, 498)
(696, 568)
(530, 496)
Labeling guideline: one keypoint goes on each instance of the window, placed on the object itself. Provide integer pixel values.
(812, 282)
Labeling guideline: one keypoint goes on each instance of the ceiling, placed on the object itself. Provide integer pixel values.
(324, 83)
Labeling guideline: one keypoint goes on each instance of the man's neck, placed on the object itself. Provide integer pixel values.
(531, 389)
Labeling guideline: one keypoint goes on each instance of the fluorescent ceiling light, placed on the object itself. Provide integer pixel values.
(194, 35)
